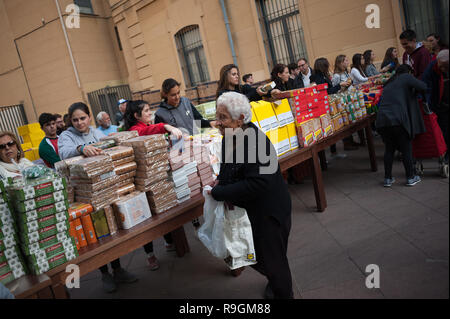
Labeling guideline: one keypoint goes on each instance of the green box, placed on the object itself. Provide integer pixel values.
(8, 230)
(13, 252)
(52, 250)
(29, 238)
(46, 242)
(14, 264)
(6, 218)
(8, 242)
(43, 222)
(42, 212)
(40, 201)
(38, 187)
(44, 265)
(6, 209)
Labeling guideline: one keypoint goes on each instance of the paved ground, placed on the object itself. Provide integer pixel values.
(403, 230)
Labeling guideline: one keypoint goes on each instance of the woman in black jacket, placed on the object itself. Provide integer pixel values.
(399, 120)
(258, 186)
(229, 81)
(322, 75)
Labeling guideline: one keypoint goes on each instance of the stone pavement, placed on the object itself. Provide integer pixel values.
(403, 230)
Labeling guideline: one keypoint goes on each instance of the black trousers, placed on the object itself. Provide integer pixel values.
(396, 138)
(115, 264)
(271, 242)
(442, 117)
(149, 246)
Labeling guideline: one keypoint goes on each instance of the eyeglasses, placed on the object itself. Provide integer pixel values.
(301, 65)
(9, 144)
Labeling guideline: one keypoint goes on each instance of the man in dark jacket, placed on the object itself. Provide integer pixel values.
(436, 78)
(303, 78)
(416, 55)
(257, 185)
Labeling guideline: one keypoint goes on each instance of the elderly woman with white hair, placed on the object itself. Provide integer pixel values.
(250, 178)
(104, 123)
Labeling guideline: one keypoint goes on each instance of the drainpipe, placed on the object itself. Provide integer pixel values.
(227, 26)
(68, 44)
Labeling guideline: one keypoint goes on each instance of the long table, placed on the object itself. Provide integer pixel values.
(52, 284)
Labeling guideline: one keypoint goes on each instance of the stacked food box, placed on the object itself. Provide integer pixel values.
(152, 159)
(40, 204)
(32, 136)
(94, 180)
(124, 166)
(11, 261)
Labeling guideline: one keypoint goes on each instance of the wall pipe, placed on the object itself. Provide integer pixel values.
(227, 26)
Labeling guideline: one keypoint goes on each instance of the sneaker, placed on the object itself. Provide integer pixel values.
(413, 181)
(123, 276)
(109, 285)
(388, 182)
(170, 247)
(153, 263)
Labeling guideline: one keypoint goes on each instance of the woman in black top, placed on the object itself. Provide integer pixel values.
(399, 120)
(322, 75)
(230, 81)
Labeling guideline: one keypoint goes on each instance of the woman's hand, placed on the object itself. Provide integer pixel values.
(386, 69)
(259, 91)
(213, 124)
(90, 151)
(174, 131)
(345, 84)
(275, 93)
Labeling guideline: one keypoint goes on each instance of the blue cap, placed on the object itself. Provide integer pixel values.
(121, 101)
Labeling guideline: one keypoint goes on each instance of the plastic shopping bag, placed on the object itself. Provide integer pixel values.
(238, 238)
(227, 233)
(211, 232)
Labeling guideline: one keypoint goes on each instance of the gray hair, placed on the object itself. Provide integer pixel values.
(236, 105)
(100, 116)
(443, 55)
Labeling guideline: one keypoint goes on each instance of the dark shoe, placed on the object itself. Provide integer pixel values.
(388, 182)
(413, 181)
(123, 276)
(268, 293)
(109, 285)
(237, 272)
(153, 263)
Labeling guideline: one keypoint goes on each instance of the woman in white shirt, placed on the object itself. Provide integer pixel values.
(341, 71)
(357, 73)
(12, 158)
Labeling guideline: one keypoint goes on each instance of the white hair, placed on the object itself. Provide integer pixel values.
(236, 105)
(100, 116)
(443, 55)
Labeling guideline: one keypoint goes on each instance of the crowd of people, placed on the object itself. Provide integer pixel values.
(242, 184)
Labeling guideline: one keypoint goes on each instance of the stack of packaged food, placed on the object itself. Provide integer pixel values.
(94, 180)
(11, 260)
(152, 159)
(132, 209)
(40, 203)
(124, 166)
(347, 108)
(119, 137)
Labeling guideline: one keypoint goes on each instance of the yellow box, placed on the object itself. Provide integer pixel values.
(29, 129)
(36, 153)
(283, 112)
(254, 119)
(29, 155)
(293, 139)
(280, 140)
(26, 139)
(26, 146)
(265, 115)
(36, 141)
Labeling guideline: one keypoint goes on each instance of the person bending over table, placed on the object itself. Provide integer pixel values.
(76, 141)
(138, 117)
(257, 186)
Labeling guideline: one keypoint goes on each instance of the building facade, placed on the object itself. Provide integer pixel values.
(46, 66)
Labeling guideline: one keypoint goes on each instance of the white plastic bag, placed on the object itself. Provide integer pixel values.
(238, 238)
(211, 232)
(227, 233)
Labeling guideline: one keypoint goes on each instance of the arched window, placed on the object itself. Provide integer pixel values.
(192, 56)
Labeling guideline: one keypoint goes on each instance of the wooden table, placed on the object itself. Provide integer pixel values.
(316, 151)
(52, 284)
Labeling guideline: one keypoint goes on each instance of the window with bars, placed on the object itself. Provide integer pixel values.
(282, 31)
(85, 6)
(426, 17)
(192, 56)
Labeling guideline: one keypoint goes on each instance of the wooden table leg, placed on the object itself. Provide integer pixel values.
(180, 241)
(319, 189)
(60, 292)
(323, 160)
(371, 148)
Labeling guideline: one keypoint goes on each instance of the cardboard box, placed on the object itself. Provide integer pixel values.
(33, 237)
(266, 116)
(280, 140)
(293, 138)
(38, 188)
(40, 223)
(42, 212)
(10, 253)
(132, 209)
(40, 201)
(8, 242)
(283, 112)
(100, 223)
(46, 242)
(50, 251)
(44, 265)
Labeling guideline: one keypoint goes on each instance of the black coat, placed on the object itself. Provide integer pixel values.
(299, 79)
(250, 93)
(243, 185)
(399, 105)
(320, 78)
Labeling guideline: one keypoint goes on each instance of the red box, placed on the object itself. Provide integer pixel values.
(322, 87)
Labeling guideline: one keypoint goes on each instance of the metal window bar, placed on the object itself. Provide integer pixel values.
(283, 38)
(12, 117)
(106, 100)
(192, 56)
(427, 16)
